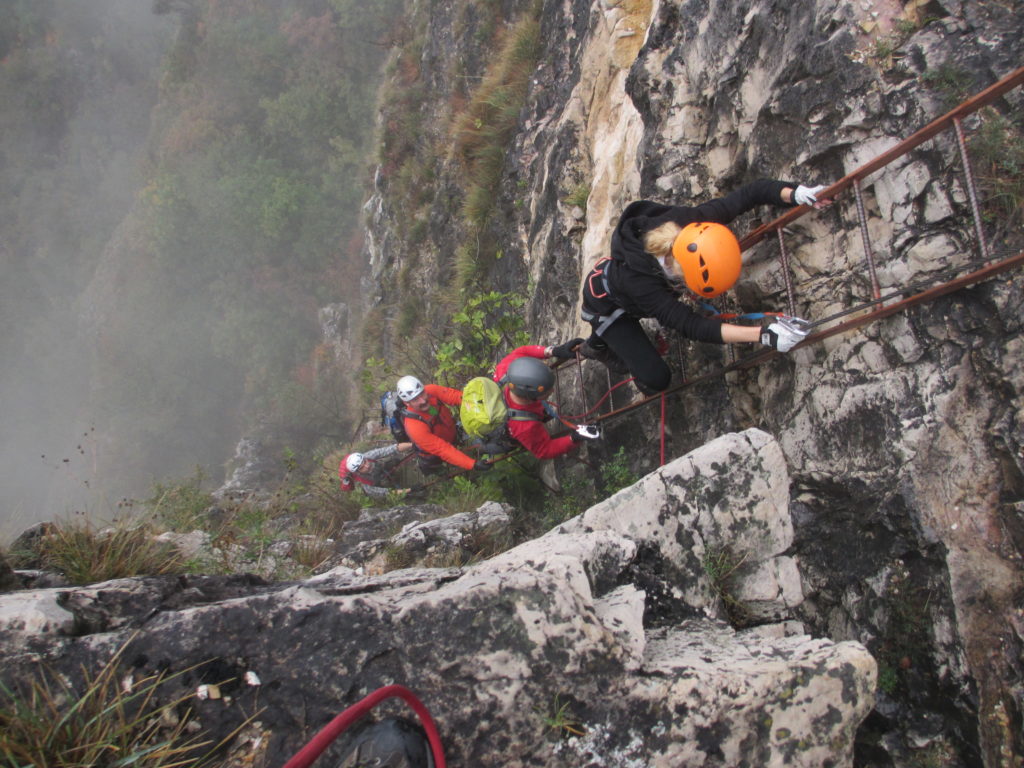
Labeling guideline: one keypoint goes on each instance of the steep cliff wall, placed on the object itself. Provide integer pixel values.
(903, 439)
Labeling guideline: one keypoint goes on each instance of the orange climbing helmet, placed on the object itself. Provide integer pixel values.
(709, 256)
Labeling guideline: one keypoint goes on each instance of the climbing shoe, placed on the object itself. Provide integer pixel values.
(603, 354)
(391, 743)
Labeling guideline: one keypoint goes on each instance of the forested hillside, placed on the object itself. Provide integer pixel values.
(181, 188)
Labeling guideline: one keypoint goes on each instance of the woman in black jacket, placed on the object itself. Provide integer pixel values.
(656, 252)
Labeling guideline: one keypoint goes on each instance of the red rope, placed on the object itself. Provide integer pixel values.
(662, 430)
(597, 405)
(305, 756)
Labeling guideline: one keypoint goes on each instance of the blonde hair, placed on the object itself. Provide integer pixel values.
(658, 242)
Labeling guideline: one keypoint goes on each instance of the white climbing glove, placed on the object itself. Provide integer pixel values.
(784, 334)
(807, 195)
(589, 431)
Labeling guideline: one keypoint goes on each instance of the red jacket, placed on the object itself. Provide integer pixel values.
(434, 432)
(532, 435)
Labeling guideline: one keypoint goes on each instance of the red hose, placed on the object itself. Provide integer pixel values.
(305, 756)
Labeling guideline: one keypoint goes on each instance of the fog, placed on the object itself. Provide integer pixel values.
(180, 193)
(77, 81)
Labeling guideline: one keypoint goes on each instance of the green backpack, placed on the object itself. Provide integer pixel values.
(485, 416)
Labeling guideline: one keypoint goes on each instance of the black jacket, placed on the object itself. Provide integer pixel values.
(638, 283)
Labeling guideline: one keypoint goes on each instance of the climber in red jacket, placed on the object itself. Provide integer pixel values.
(527, 383)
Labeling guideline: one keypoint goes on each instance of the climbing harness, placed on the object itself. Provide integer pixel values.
(309, 753)
(601, 322)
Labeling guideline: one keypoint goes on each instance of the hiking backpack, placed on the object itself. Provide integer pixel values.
(391, 412)
(485, 416)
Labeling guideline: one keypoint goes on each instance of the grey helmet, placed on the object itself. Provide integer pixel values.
(530, 378)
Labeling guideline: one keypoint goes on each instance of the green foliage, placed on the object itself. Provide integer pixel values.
(560, 719)
(905, 640)
(102, 722)
(182, 506)
(396, 558)
(376, 376)
(938, 754)
(464, 493)
(578, 196)
(952, 83)
(86, 555)
(997, 152)
(616, 472)
(487, 325)
(578, 493)
(888, 679)
(883, 50)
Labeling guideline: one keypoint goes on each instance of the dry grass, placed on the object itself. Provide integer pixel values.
(86, 555)
(108, 720)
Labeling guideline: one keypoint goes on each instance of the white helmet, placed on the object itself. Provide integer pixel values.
(409, 388)
(353, 462)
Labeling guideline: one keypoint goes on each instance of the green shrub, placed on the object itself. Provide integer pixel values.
(486, 325)
(888, 679)
(952, 83)
(616, 472)
(578, 493)
(464, 493)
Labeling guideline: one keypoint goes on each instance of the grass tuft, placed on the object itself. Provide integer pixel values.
(721, 566)
(482, 133)
(86, 555)
(110, 720)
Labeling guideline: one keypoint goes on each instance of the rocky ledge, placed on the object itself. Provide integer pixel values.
(653, 630)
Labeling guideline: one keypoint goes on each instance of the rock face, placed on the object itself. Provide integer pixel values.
(903, 439)
(683, 512)
(560, 637)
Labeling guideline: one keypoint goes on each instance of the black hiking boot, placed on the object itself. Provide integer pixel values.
(604, 354)
(391, 743)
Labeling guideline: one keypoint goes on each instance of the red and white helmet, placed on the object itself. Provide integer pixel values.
(347, 483)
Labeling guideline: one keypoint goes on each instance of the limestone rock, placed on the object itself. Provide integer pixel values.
(557, 624)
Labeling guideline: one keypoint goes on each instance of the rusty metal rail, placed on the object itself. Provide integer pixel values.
(874, 308)
(950, 120)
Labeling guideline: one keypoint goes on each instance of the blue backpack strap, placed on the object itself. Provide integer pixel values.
(730, 316)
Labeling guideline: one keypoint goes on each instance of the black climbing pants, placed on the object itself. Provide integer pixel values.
(627, 338)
